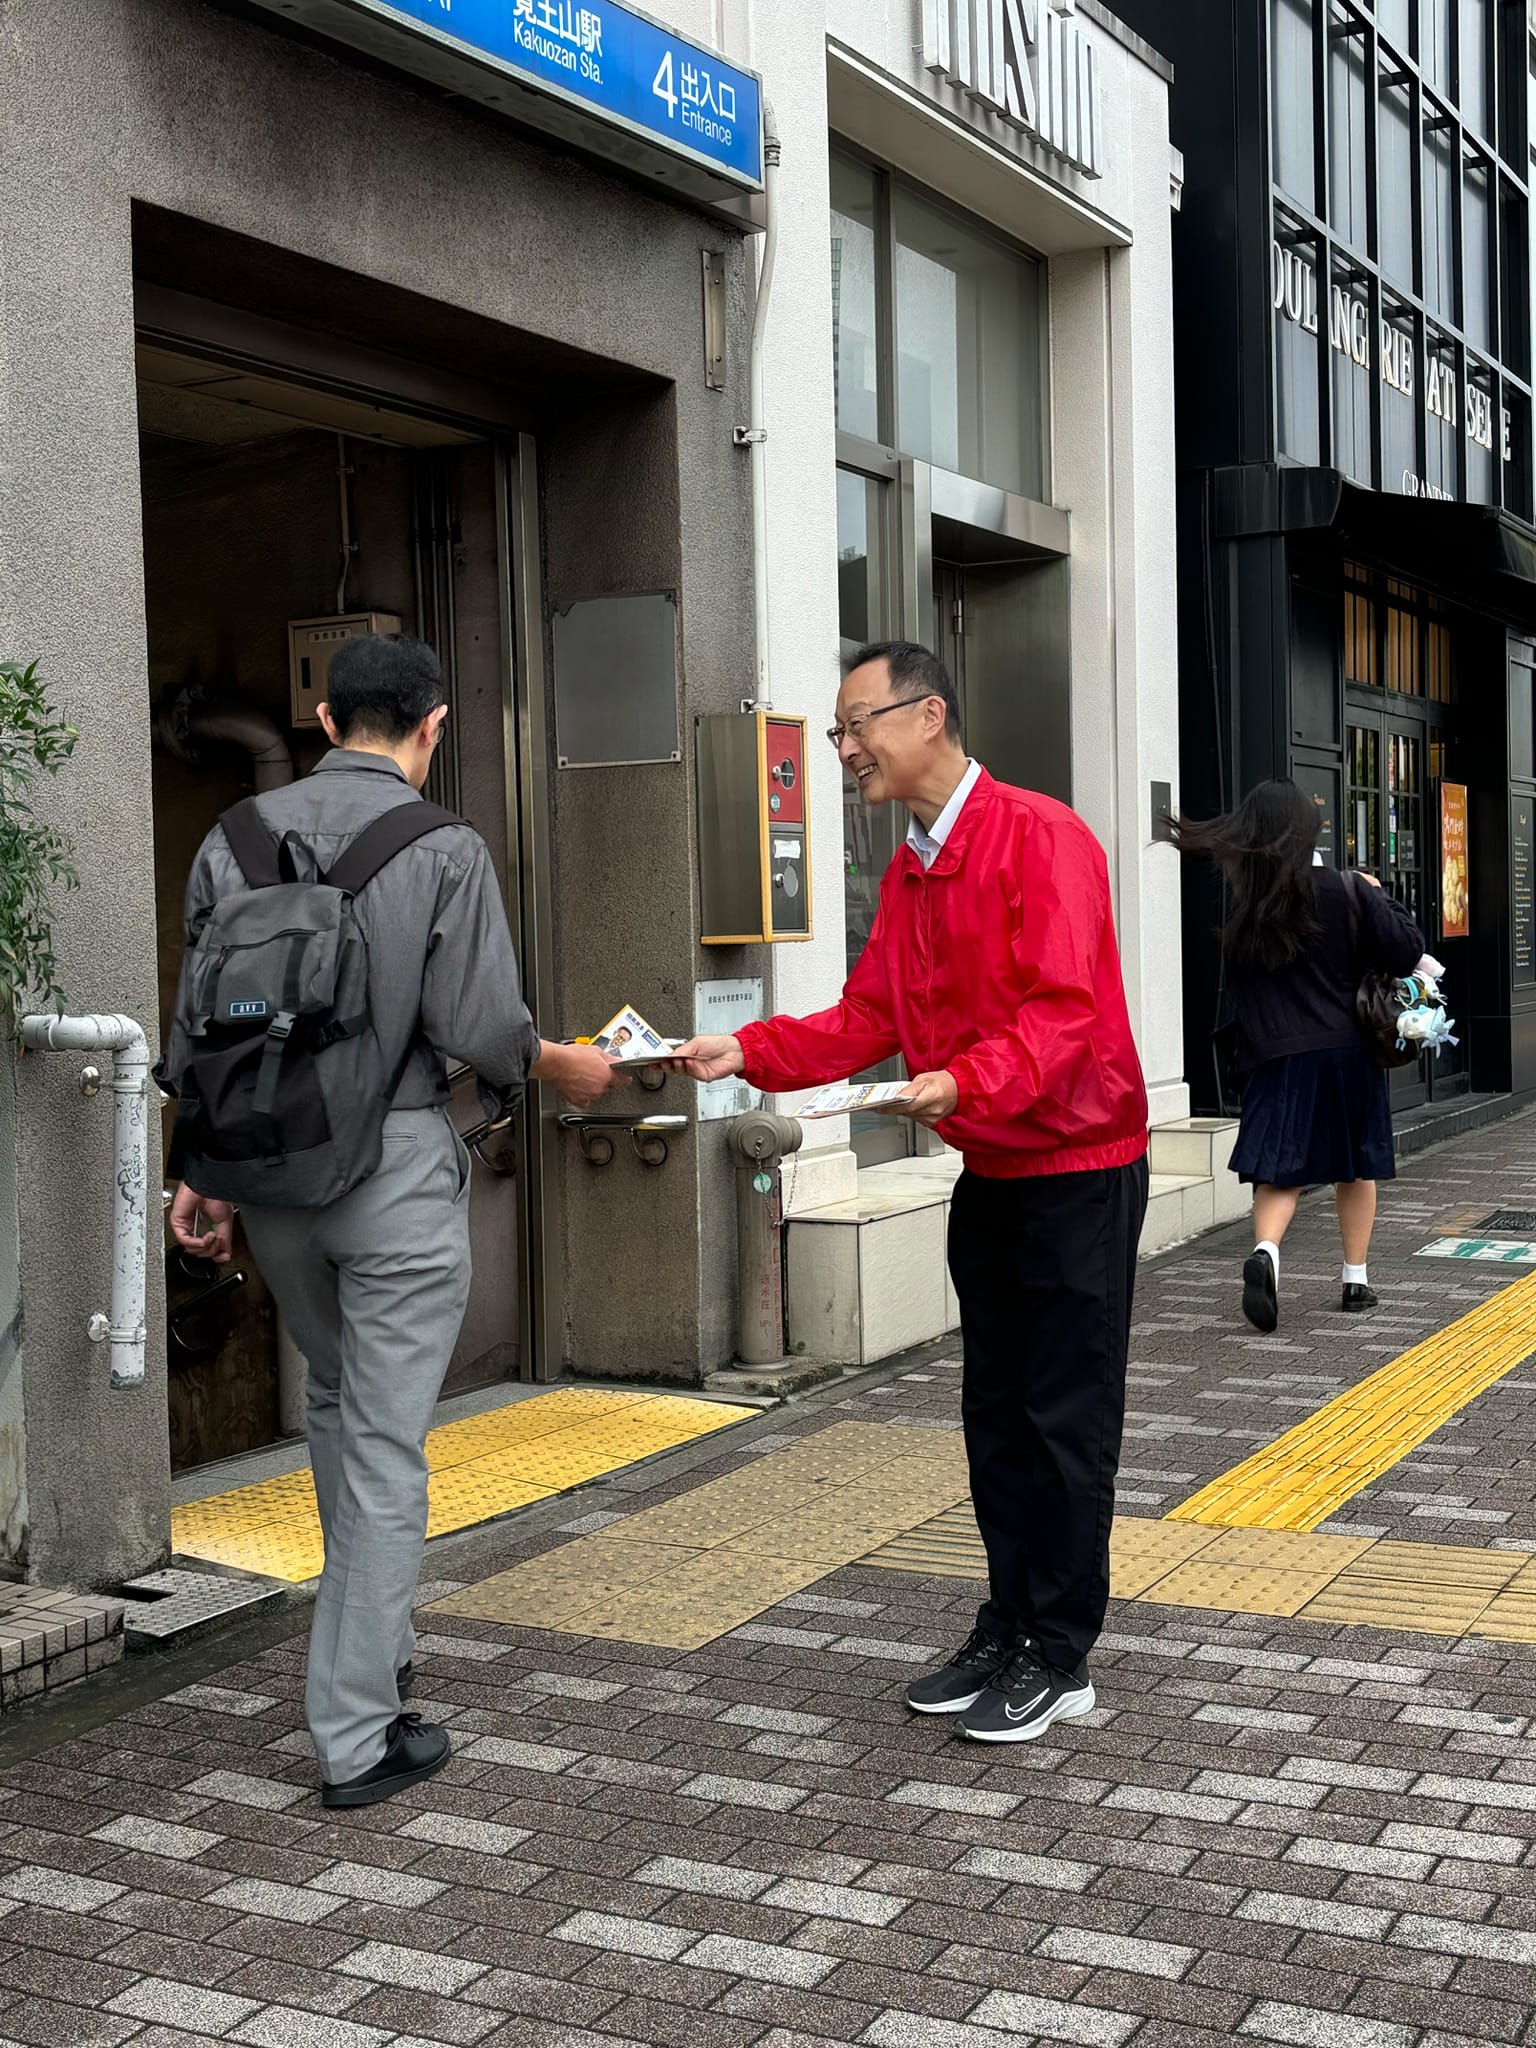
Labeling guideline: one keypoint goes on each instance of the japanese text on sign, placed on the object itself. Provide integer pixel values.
(616, 66)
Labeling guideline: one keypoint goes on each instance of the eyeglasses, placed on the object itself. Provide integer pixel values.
(838, 733)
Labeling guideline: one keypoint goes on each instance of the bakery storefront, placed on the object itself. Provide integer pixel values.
(1358, 571)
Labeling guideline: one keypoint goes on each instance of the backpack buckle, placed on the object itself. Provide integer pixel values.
(282, 1025)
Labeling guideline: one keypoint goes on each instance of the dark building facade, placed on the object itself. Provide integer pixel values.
(1353, 292)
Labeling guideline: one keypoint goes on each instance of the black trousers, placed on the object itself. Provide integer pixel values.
(1045, 1269)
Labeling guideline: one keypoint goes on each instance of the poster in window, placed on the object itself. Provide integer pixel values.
(1455, 906)
(1522, 889)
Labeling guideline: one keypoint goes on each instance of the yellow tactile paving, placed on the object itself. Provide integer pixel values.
(679, 1574)
(1314, 1469)
(481, 1467)
(1236, 1588)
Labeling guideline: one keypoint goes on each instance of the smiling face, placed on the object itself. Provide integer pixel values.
(889, 742)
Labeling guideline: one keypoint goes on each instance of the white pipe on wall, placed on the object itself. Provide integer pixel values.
(123, 1329)
(755, 434)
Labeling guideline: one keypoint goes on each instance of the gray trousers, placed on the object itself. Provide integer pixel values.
(373, 1290)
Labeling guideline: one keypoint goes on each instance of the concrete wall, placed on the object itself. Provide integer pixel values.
(177, 104)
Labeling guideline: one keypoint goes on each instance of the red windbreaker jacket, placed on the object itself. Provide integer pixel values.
(999, 963)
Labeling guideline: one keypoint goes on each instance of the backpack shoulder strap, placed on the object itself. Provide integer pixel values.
(377, 844)
(253, 843)
(1352, 899)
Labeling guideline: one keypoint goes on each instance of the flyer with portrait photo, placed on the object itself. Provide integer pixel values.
(628, 1039)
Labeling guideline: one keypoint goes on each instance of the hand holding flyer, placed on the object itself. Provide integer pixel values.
(843, 1098)
(629, 1040)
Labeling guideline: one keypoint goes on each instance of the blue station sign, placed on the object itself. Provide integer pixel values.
(594, 71)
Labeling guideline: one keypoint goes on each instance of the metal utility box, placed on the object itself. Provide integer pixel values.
(754, 846)
(312, 642)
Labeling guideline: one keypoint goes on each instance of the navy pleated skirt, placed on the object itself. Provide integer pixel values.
(1315, 1117)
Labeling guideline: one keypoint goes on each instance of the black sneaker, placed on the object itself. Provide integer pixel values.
(1260, 1304)
(964, 1679)
(405, 1679)
(1357, 1299)
(1026, 1697)
(414, 1752)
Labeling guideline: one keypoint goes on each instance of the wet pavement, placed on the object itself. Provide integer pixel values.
(1270, 1830)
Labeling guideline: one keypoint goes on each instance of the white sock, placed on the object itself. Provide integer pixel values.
(1267, 1245)
(1354, 1276)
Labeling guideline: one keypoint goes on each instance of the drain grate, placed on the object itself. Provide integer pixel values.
(168, 1606)
(1521, 1221)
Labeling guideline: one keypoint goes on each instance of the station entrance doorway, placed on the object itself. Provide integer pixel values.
(281, 514)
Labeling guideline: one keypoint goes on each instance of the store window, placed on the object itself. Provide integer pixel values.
(1439, 210)
(1353, 357)
(1399, 394)
(1476, 27)
(968, 341)
(1477, 252)
(1482, 434)
(1442, 415)
(863, 601)
(855, 297)
(1435, 43)
(1395, 179)
(1297, 340)
(1440, 662)
(1348, 137)
(1404, 668)
(1361, 630)
(1292, 117)
(1362, 803)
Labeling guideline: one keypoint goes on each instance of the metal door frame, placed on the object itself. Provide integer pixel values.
(182, 321)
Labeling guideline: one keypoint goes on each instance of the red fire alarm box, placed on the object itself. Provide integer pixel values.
(754, 849)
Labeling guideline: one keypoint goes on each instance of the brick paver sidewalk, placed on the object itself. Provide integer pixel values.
(1269, 1831)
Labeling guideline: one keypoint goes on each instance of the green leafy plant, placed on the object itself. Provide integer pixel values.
(34, 858)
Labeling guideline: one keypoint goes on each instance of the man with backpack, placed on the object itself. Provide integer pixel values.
(345, 940)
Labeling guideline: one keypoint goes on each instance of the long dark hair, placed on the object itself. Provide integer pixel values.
(1264, 850)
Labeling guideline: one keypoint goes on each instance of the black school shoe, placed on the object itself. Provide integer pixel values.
(959, 1683)
(1025, 1698)
(1260, 1303)
(414, 1751)
(1357, 1299)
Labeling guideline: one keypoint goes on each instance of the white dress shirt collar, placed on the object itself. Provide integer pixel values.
(927, 845)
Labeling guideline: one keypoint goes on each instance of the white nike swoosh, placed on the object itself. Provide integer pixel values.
(1023, 1713)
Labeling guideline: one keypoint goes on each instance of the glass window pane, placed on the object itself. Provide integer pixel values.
(1442, 417)
(1393, 17)
(1482, 435)
(1435, 43)
(1347, 135)
(861, 558)
(1291, 114)
(1395, 182)
(1353, 373)
(1477, 268)
(1399, 399)
(1296, 344)
(855, 325)
(1440, 219)
(969, 392)
(1514, 217)
(1474, 65)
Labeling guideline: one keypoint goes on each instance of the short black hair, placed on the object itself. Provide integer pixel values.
(915, 672)
(382, 685)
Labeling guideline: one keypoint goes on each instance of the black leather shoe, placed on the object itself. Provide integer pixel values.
(405, 1678)
(1260, 1303)
(1357, 1299)
(414, 1752)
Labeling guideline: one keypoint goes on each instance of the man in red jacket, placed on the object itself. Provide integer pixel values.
(992, 969)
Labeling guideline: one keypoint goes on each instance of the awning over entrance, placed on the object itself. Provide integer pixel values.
(1465, 549)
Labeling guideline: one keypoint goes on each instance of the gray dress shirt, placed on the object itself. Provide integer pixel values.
(442, 976)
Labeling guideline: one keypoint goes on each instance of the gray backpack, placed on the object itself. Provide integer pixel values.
(281, 1080)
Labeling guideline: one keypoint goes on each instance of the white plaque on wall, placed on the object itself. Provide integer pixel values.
(723, 1007)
